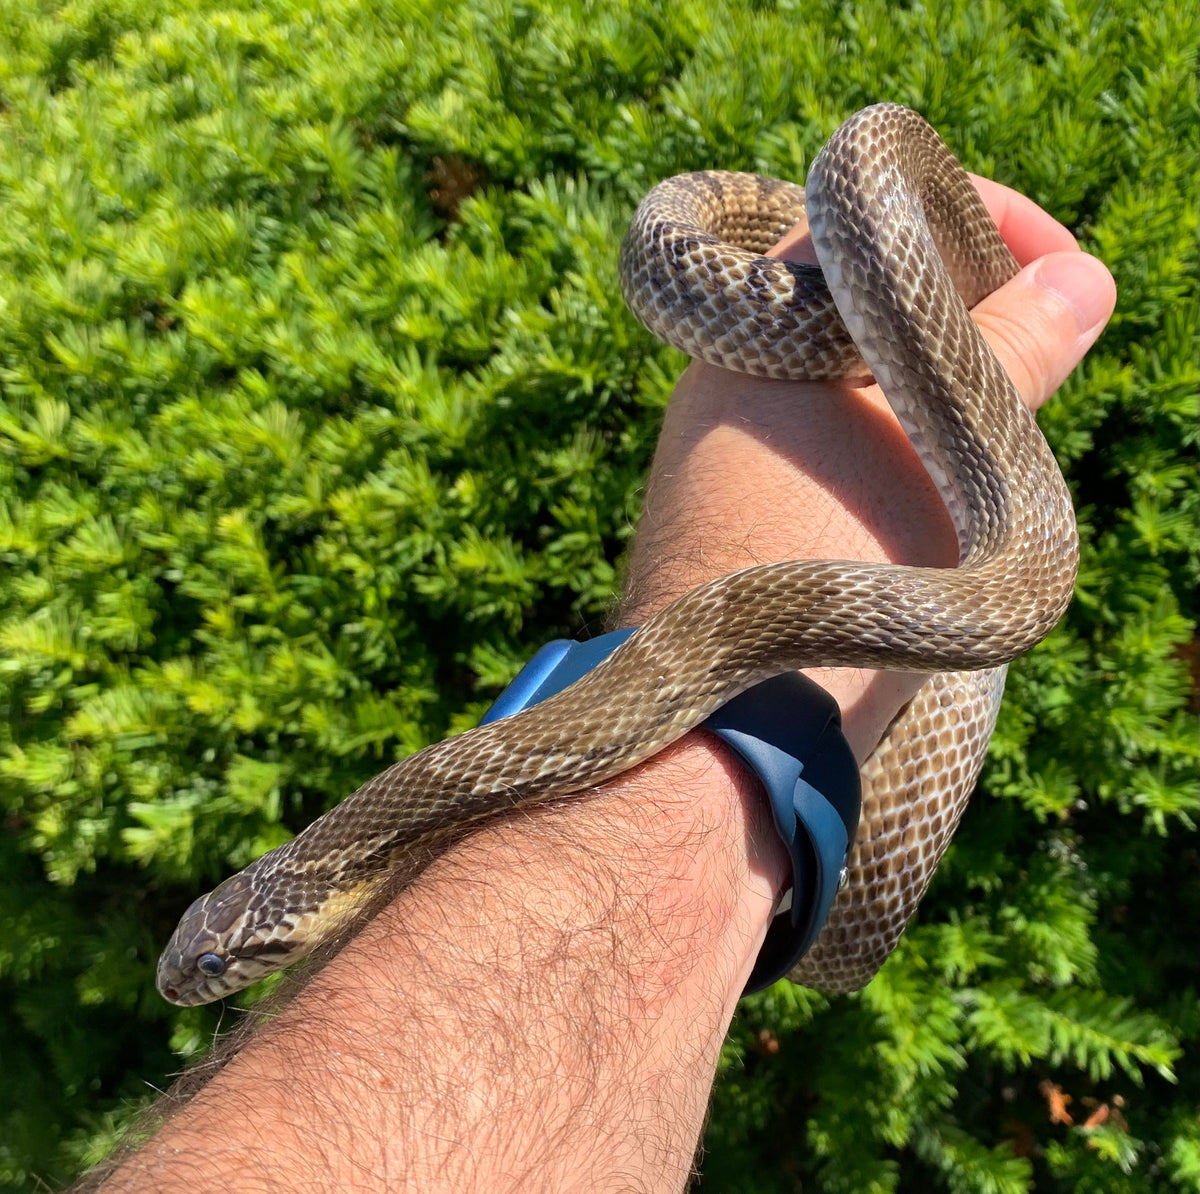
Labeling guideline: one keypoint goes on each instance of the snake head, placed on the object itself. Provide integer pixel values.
(218, 947)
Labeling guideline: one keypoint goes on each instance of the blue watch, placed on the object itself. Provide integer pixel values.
(788, 731)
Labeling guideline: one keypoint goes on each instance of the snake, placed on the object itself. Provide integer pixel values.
(905, 249)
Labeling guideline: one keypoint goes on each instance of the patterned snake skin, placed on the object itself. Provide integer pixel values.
(905, 248)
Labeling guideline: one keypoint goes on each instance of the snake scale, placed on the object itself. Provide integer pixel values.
(905, 249)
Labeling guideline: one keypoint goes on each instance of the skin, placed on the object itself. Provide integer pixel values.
(543, 1009)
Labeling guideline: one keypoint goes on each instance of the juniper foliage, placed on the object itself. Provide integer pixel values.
(319, 409)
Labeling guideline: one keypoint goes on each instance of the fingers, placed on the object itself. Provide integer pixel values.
(1029, 231)
(1042, 322)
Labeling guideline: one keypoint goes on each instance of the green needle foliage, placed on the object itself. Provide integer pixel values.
(319, 409)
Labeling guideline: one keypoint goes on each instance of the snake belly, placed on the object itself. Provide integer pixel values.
(905, 249)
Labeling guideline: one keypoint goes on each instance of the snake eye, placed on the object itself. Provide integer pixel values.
(211, 964)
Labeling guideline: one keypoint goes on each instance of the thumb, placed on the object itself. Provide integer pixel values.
(1042, 322)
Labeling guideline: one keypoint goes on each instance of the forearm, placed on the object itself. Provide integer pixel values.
(544, 1009)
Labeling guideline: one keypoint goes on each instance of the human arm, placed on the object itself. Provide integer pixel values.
(544, 1008)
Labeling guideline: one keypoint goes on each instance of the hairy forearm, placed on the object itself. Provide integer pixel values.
(544, 1009)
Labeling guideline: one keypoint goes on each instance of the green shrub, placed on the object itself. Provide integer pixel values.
(319, 409)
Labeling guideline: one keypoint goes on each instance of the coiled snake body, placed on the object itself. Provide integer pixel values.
(905, 248)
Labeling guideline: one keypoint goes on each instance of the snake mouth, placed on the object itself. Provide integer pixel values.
(180, 998)
(184, 992)
(183, 982)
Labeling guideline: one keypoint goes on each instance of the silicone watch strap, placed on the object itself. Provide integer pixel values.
(788, 730)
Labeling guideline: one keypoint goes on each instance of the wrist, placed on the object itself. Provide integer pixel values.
(843, 483)
(787, 731)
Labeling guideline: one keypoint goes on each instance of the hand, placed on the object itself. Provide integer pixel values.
(750, 471)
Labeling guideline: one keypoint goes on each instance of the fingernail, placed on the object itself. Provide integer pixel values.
(1082, 283)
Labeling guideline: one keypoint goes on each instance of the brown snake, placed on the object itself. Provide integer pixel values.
(905, 247)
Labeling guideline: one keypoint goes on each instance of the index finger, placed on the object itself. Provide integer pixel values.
(1028, 231)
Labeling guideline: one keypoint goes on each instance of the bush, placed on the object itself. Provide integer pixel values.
(319, 410)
